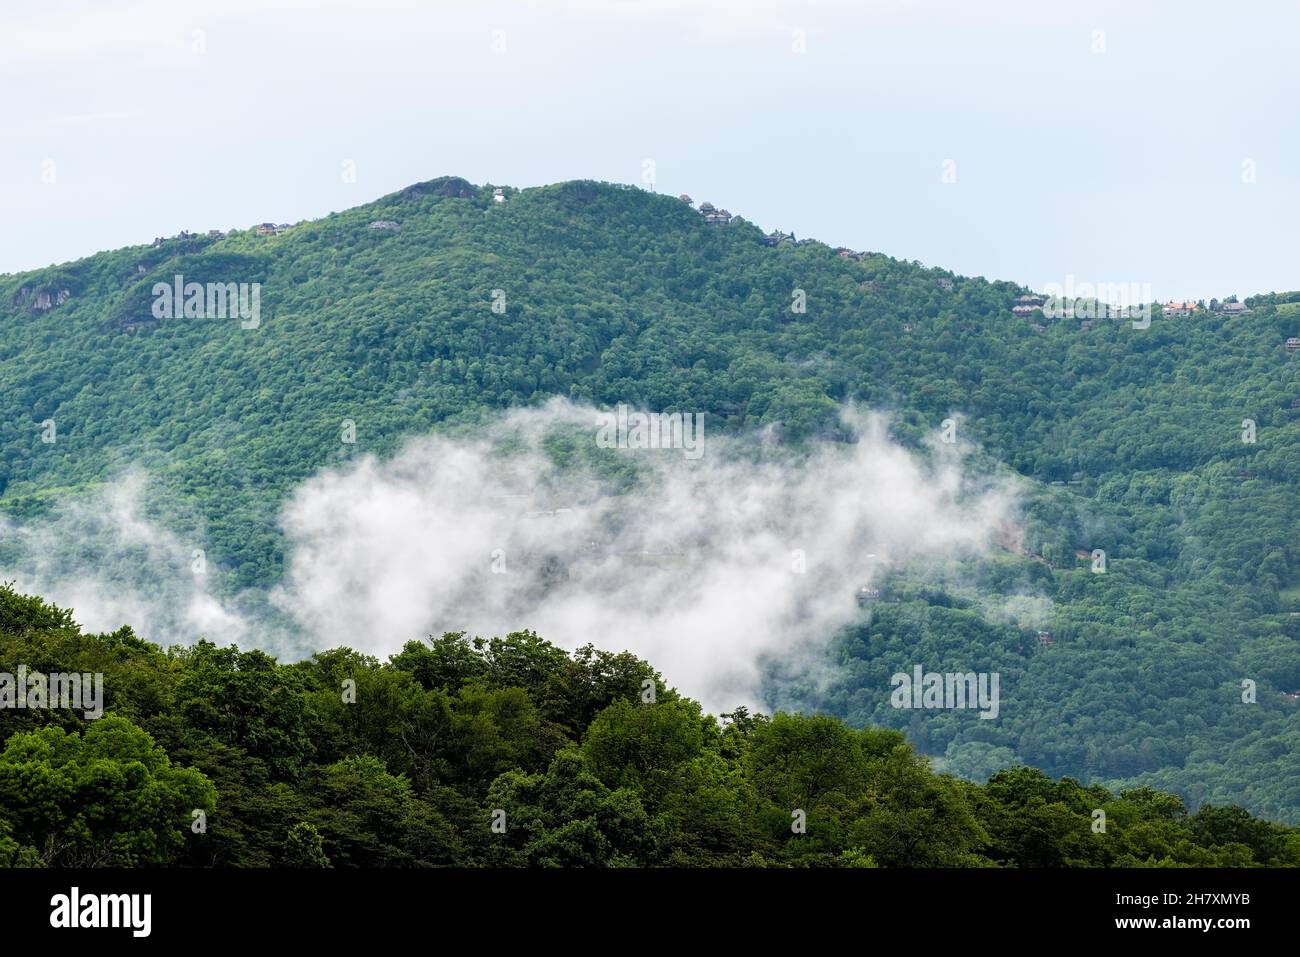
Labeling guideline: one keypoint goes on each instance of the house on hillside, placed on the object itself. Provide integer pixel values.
(1234, 309)
(1292, 344)
(498, 195)
(1176, 310)
(1045, 639)
(385, 224)
(267, 229)
(714, 216)
(1030, 300)
(685, 199)
(945, 283)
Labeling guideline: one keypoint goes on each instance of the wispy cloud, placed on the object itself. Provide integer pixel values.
(704, 567)
(708, 567)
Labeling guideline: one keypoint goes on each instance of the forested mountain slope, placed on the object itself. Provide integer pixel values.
(612, 295)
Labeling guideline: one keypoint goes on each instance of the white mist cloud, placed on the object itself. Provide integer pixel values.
(707, 568)
(695, 568)
(102, 557)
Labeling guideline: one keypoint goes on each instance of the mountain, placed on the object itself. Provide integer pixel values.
(435, 306)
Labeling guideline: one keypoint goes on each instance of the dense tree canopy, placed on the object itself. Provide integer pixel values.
(513, 753)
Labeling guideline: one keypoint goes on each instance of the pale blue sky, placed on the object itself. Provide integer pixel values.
(1120, 165)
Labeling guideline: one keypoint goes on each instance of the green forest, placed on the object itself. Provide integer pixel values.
(509, 752)
(1130, 442)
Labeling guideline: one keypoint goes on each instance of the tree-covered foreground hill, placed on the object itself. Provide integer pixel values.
(510, 752)
(1176, 668)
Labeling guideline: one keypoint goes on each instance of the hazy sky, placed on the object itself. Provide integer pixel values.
(1109, 141)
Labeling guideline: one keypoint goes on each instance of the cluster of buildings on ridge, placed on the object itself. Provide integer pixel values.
(185, 234)
(720, 217)
(275, 229)
(1030, 303)
(262, 229)
(1173, 309)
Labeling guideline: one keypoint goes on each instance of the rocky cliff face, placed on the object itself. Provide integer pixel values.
(39, 300)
